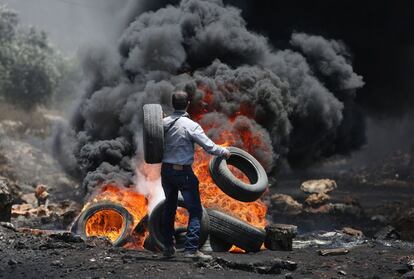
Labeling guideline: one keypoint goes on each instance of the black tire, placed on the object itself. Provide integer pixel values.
(238, 232)
(127, 226)
(233, 186)
(155, 224)
(153, 134)
(219, 245)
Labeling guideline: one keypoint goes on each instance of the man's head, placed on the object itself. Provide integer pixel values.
(180, 100)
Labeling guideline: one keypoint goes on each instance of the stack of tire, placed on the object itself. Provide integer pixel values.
(223, 230)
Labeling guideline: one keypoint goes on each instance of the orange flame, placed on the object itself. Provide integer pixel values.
(109, 225)
(211, 196)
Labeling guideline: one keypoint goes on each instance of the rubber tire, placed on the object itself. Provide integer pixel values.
(155, 224)
(243, 235)
(219, 245)
(90, 211)
(153, 134)
(233, 186)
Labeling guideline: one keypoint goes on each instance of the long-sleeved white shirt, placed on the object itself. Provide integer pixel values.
(179, 140)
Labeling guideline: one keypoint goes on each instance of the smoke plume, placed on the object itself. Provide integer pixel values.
(298, 100)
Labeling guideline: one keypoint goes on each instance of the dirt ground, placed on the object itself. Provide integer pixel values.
(379, 190)
(30, 256)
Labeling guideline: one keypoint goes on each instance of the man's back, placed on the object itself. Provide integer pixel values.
(179, 147)
(180, 134)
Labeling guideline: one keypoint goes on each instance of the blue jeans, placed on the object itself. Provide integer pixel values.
(186, 182)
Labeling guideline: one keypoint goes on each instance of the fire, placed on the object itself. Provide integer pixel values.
(211, 196)
(107, 223)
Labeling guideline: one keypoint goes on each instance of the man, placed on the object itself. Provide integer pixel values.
(180, 134)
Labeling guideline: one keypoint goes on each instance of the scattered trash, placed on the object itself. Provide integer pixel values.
(333, 252)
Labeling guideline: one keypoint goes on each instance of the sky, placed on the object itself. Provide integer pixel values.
(73, 23)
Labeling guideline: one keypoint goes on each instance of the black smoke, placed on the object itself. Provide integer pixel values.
(299, 99)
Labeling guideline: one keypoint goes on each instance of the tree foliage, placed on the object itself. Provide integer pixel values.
(30, 69)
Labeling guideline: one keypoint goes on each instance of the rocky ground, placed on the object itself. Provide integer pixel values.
(368, 212)
(25, 255)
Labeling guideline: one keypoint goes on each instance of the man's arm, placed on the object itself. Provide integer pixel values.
(207, 144)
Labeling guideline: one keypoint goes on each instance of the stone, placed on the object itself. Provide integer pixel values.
(315, 200)
(6, 200)
(323, 209)
(346, 209)
(12, 262)
(386, 233)
(29, 199)
(352, 232)
(402, 269)
(8, 225)
(98, 241)
(67, 237)
(279, 237)
(408, 275)
(318, 186)
(333, 252)
(285, 204)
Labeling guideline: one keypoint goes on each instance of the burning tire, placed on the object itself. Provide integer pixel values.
(153, 134)
(233, 186)
(240, 233)
(105, 219)
(155, 225)
(219, 245)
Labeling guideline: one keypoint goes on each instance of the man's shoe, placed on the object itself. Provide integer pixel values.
(168, 252)
(197, 255)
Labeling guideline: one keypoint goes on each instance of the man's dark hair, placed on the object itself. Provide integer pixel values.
(180, 100)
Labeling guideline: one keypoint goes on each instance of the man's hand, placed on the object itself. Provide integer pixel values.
(227, 154)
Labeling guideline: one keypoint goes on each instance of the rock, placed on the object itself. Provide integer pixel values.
(262, 267)
(285, 204)
(410, 264)
(279, 237)
(403, 269)
(6, 200)
(8, 225)
(315, 200)
(12, 262)
(11, 127)
(346, 209)
(323, 209)
(29, 198)
(56, 263)
(98, 241)
(318, 186)
(333, 252)
(386, 233)
(408, 275)
(67, 237)
(23, 210)
(352, 232)
(404, 224)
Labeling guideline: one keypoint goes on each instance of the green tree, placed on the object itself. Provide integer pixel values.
(30, 69)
